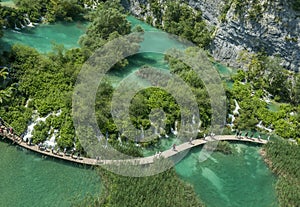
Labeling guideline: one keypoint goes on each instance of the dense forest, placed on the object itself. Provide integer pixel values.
(41, 85)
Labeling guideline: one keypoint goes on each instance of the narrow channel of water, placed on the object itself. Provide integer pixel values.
(43, 36)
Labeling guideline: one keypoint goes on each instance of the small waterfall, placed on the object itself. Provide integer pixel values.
(137, 141)
(162, 131)
(17, 28)
(30, 127)
(58, 113)
(51, 142)
(29, 130)
(27, 102)
(261, 126)
(155, 129)
(237, 108)
(174, 131)
(22, 26)
(29, 23)
(232, 120)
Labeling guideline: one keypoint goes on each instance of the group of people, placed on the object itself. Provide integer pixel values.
(57, 152)
(248, 135)
(158, 154)
(8, 131)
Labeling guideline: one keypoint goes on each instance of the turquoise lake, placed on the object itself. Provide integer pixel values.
(240, 179)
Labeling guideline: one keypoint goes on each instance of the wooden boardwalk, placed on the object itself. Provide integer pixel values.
(140, 161)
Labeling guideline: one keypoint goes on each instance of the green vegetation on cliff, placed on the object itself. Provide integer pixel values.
(179, 18)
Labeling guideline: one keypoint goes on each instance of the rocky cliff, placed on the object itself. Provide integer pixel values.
(270, 26)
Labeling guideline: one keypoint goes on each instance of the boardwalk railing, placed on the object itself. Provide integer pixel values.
(140, 161)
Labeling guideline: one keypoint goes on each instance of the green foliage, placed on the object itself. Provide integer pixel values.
(40, 132)
(252, 8)
(297, 90)
(6, 89)
(266, 78)
(164, 189)
(267, 73)
(182, 20)
(178, 18)
(67, 132)
(46, 83)
(10, 17)
(52, 10)
(2, 19)
(284, 159)
(108, 23)
(150, 99)
(196, 84)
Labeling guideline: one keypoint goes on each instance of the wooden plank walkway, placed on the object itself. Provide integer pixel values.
(137, 161)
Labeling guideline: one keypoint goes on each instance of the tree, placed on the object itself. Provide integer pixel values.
(6, 92)
(279, 84)
(182, 20)
(106, 22)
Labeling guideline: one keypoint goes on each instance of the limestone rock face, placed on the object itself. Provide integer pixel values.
(275, 29)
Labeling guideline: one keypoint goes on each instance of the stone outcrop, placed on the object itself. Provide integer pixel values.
(275, 30)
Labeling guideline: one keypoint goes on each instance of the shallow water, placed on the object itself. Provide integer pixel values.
(163, 144)
(240, 179)
(27, 179)
(274, 107)
(43, 36)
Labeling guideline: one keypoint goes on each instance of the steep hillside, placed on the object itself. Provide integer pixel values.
(270, 26)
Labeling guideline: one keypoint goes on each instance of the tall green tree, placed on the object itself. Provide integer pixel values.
(107, 23)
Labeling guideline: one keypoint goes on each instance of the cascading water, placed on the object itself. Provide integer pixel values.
(237, 108)
(174, 131)
(29, 132)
